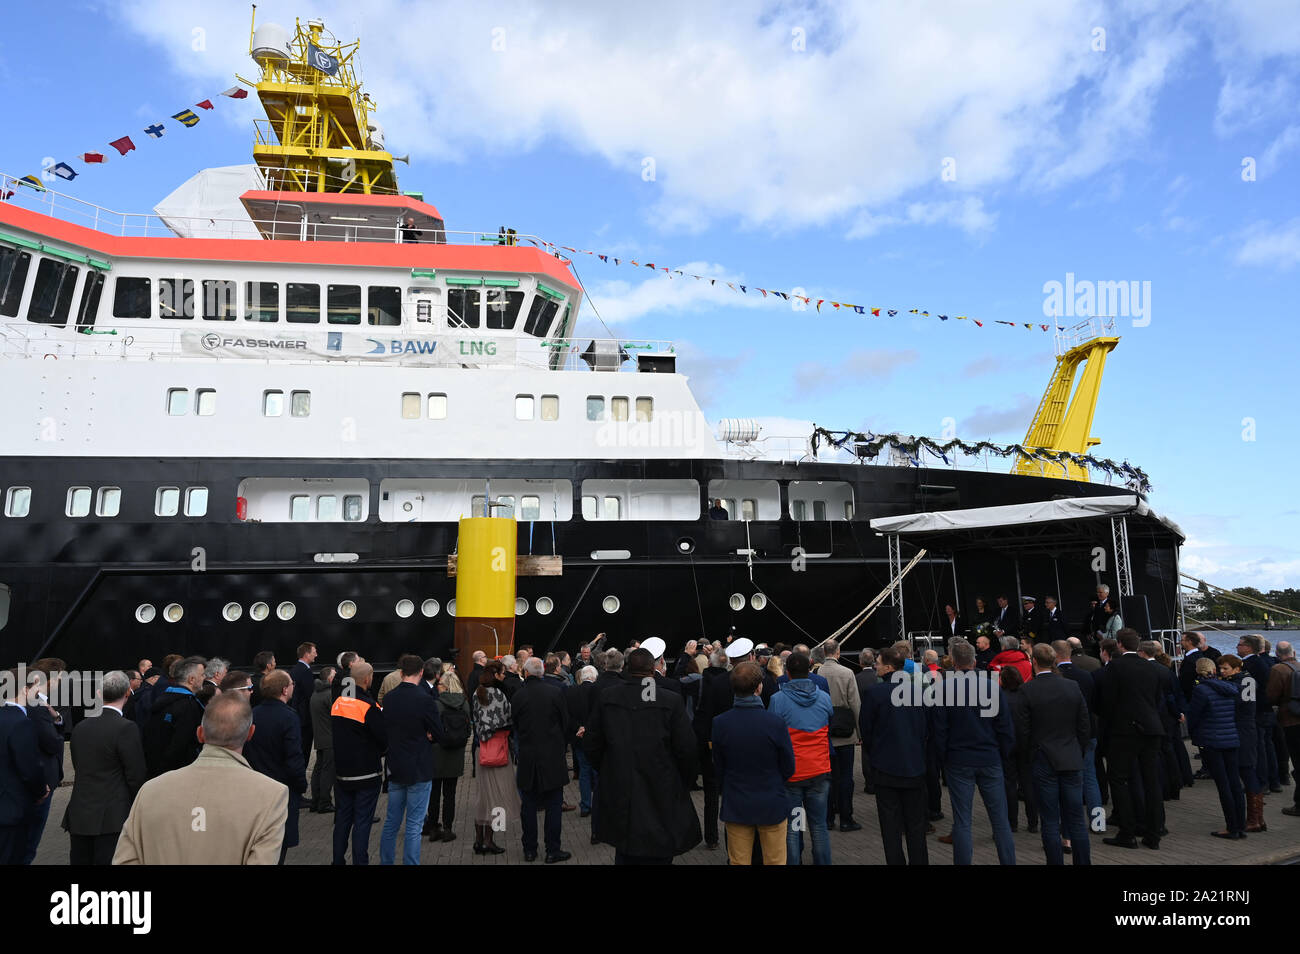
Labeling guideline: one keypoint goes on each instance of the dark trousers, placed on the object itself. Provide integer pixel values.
(1266, 763)
(92, 849)
(444, 792)
(36, 828)
(1283, 747)
(1184, 761)
(1060, 799)
(900, 803)
(551, 801)
(710, 780)
(1100, 762)
(322, 779)
(1222, 765)
(13, 844)
(869, 785)
(622, 859)
(1130, 756)
(355, 812)
(1293, 746)
(933, 779)
(1015, 782)
(306, 732)
(841, 800)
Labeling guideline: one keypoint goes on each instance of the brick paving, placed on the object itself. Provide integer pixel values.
(1190, 820)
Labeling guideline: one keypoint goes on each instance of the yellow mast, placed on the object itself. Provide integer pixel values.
(318, 135)
(1062, 423)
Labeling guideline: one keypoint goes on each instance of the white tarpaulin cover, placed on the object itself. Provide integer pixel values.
(207, 205)
(1044, 511)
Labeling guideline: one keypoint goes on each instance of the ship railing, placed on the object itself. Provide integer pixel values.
(308, 227)
(1100, 326)
(798, 449)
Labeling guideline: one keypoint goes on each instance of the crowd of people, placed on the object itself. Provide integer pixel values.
(191, 761)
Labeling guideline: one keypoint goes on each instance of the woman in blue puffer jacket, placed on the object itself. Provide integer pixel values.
(1212, 722)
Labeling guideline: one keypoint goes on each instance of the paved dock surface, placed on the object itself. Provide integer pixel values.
(1190, 820)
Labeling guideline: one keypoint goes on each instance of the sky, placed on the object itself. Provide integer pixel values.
(952, 156)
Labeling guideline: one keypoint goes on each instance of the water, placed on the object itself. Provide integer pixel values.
(1227, 642)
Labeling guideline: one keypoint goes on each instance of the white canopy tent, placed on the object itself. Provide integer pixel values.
(1020, 515)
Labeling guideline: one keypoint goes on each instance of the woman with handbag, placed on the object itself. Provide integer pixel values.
(498, 798)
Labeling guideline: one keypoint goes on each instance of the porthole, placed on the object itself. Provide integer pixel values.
(347, 609)
(610, 604)
(405, 609)
(173, 612)
(544, 606)
(144, 613)
(758, 601)
(685, 545)
(259, 611)
(286, 610)
(521, 606)
(737, 602)
(231, 612)
(451, 607)
(429, 608)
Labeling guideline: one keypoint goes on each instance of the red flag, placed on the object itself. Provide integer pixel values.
(236, 92)
(836, 304)
(206, 104)
(123, 145)
(978, 323)
(819, 304)
(91, 157)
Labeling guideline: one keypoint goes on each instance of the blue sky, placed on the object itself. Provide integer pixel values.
(803, 146)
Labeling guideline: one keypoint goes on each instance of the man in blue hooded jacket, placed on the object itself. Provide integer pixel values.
(806, 710)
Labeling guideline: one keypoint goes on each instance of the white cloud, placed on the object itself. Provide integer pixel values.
(1286, 141)
(863, 366)
(1277, 247)
(1224, 566)
(741, 125)
(621, 301)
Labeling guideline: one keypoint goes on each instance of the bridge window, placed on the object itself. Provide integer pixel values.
(14, 263)
(90, 295)
(18, 502)
(410, 406)
(463, 307)
(618, 409)
(437, 407)
(300, 507)
(503, 308)
(302, 303)
(196, 501)
(550, 407)
(52, 292)
(261, 301)
(824, 500)
(272, 403)
(131, 298)
(384, 305)
(645, 410)
(540, 315)
(595, 408)
(530, 507)
(523, 407)
(758, 499)
(352, 507)
(167, 501)
(344, 305)
(645, 499)
(108, 502)
(327, 507)
(78, 501)
(178, 401)
(300, 403)
(176, 298)
(205, 402)
(219, 302)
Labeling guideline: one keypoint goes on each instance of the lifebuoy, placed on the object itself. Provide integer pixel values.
(54, 356)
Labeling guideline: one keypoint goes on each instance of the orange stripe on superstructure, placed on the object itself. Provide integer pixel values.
(489, 258)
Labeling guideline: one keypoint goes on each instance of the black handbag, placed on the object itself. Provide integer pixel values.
(842, 724)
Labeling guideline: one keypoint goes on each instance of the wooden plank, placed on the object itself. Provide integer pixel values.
(525, 565)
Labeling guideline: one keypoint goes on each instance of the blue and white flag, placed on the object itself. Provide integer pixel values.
(327, 64)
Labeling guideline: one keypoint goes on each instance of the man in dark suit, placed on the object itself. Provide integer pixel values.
(1080, 658)
(894, 738)
(1050, 712)
(716, 698)
(108, 769)
(1094, 624)
(304, 684)
(49, 725)
(1187, 668)
(1071, 670)
(1033, 624)
(171, 735)
(1130, 707)
(1007, 619)
(1251, 650)
(414, 727)
(22, 783)
(1053, 621)
(275, 748)
(263, 663)
(541, 721)
(1171, 714)
(865, 678)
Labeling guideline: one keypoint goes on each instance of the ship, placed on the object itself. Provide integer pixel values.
(235, 429)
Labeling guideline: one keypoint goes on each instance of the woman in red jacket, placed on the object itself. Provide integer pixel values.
(1012, 655)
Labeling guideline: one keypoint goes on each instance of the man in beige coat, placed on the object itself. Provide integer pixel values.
(215, 811)
(845, 699)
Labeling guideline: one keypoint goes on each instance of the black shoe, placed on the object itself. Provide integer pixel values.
(713, 845)
(850, 826)
(1293, 810)
(530, 856)
(1015, 828)
(555, 859)
(1066, 849)
(1152, 842)
(1230, 835)
(1119, 841)
(595, 840)
(495, 849)
(1275, 789)
(447, 835)
(1033, 829)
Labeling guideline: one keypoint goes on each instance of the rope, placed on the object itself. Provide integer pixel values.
(871, 607)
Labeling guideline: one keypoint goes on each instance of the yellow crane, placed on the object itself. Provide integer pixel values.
(1062, 422)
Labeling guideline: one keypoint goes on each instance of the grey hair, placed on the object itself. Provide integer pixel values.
(1285, 650)
(186, 668)
(719, 659)
(867, 657)
(1104, 588)
(1075, 642)
(831, 648)
(217, 667)
(115, 686)
(534, 666)
(510, 662)
(587, 674)
(1010, 642)
(963, 654)
(613, 661)
(1150, 647)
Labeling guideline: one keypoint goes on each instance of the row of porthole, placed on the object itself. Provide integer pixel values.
(173, 612)
(758, 601)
